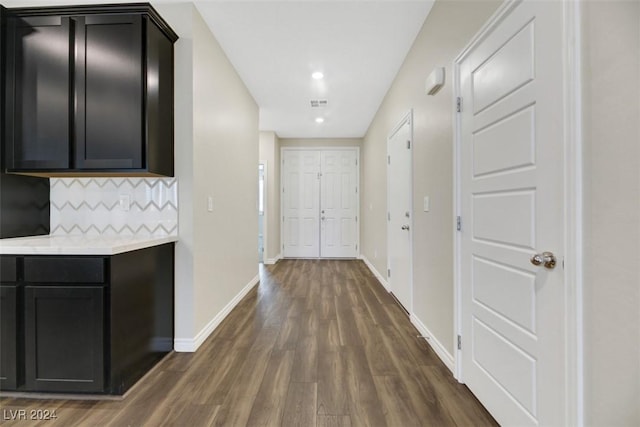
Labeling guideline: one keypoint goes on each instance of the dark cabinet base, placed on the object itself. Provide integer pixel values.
(141, 314)
(91, 324)
(11, 341)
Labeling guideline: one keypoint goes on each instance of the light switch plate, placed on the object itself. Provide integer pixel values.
(427, 204)
(210, 203)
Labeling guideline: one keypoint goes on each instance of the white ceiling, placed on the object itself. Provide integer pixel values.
(359, 45)
(275, 46)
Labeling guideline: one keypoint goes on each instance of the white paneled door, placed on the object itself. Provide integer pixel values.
(399, 212)
(339, 204)
(301, 203)
(320, 203)
(511, 191)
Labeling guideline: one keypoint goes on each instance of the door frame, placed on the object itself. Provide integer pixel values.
(265, 212)
(407, 117)
(573, 201)
(322, 148)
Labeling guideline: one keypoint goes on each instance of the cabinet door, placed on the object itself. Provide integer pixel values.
(38, 109)
(64, 338)
(9, 337)
(109, 92)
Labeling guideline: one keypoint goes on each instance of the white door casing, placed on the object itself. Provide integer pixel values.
(320, 202)
(511, 200)
(339, 204)
(400, 211)
(301, 203)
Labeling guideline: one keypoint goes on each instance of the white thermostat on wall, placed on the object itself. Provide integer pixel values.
(435, 81)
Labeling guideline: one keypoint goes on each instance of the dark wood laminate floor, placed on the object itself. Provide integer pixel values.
(317, 343)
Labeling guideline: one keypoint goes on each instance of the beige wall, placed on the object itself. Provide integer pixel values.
(217, 156)
(612, 213)
(446, 31)
(270, 154)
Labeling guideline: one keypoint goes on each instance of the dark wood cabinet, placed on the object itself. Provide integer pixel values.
(9, 333)
(39, 105)
(64, 338)
(92, 324)
(24, 200)
(89, 90)
(10, 324)
(109, 85)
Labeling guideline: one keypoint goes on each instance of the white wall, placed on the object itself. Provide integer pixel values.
(270, 154)
(180, 18)
(217, 156)
(612, 208)
(446, 31)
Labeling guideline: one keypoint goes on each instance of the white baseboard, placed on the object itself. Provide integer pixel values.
(189, 345)
(375, 272)
(271, 261)
(441, 351)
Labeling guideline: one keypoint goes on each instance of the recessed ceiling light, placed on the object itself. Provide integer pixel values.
(317, 75)
(319, 120)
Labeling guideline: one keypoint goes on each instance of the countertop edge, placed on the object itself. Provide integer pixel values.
(90, 248)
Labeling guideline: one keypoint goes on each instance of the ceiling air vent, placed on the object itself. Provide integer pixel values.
(317, 103)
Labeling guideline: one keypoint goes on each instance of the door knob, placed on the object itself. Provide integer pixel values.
(548, 259)
(405, 227)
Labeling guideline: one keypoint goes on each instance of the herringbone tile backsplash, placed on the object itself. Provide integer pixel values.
(92, 206)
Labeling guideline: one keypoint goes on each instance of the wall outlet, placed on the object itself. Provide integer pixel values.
(124, 201)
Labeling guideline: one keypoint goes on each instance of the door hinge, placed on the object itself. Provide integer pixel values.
(356, 218)
(459, 342)
(458, 223)
(283, 189)
(356, 162)
(388, 160)
(356, 247)
(459, 104)
(388, 216)
(356, 190)
(388, 272)
(408, 144)
(282, 218)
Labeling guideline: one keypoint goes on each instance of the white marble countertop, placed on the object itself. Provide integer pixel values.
(79, 245)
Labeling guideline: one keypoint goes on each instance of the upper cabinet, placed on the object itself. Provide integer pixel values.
(89, 91)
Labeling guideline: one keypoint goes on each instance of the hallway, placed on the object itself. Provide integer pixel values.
(316, 343)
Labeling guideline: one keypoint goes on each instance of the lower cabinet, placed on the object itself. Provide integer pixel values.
(64, 338)
(9, 326)
(85, 324)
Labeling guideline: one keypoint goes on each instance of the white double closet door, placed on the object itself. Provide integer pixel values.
(320, 203)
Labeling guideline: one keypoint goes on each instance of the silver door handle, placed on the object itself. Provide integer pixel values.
(405, 227)
(548, 259)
